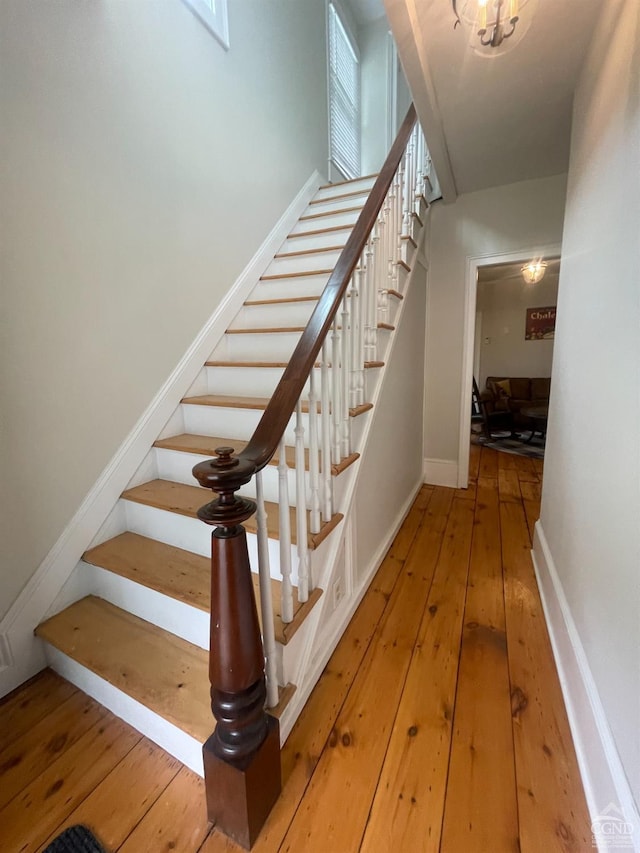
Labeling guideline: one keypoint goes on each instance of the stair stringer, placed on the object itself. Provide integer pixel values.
(326, 623)
(53, 585)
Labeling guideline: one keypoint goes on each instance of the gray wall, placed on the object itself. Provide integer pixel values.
(144, 165)
(503, 306)
(591, 497)
(396, 431)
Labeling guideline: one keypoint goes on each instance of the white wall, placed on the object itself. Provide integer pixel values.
(376, 71)
(504, 219)
(392, 465)
(144, 165)
(503, 305)
(591, 495)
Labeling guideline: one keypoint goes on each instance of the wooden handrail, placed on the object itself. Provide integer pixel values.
(241, 758)
(266, 437)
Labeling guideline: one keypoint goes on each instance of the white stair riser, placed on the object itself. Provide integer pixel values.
(339, 189)
(273, 316)
(191, 534)
(185, 621)
(347, 217)
(287, 288)
(303, 243)
(235, 423)
(176, 466)
(325, 205)
(247, 381)
(262, 346)
(302, 263)
(176, 617)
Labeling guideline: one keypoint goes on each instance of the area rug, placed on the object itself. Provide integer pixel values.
(503, 442)
(75, 839)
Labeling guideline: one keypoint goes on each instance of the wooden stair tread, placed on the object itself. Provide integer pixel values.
(281, 301)
(348, 181)
(285, 329)
(184, 576)
(309, 251)
(205, 445)
(338, 197)
(246, 364)
(301, 274)
(161, 671)
(331, 228)
(269, 331)
(326, 213)
(187, 500)
(276, 364)
(228, 401)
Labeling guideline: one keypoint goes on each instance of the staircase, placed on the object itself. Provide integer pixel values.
(138, 637)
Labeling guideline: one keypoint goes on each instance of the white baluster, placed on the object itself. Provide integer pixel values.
(301, 510)
(286, 592)
(383, 306)
(419, 168)
(389, 204)
(397, 227)
(314, 465)
(407, 191)
(372, 252)
(399, 209)
(336, 392)
(354, 323)
(345, 361)
(266, 606)
(325, 424)
(366, 259)
(379, 270)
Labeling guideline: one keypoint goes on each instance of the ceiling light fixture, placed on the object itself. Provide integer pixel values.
(494, 20)
(534, 271)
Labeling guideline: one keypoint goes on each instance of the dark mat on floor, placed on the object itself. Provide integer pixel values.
(75, 839)
(521, 447)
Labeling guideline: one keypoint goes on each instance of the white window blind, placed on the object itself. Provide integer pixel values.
(344, 98)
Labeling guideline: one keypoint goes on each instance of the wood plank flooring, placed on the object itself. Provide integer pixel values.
(437, 725)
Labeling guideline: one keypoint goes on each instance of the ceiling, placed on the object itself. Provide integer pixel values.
(500, 119)
(365, 11)
(503, 272)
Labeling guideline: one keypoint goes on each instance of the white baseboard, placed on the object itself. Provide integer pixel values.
(606, 787)
(22, 654)
(441, 472)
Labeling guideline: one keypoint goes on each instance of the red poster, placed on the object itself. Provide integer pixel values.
(541, 324)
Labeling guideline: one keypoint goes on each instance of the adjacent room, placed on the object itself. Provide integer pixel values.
(513, 354)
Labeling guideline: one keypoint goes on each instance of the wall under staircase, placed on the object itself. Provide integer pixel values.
(131, 624)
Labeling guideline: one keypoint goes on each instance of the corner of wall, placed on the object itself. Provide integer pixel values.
(441, 472)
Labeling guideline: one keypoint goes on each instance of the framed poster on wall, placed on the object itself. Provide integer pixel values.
(540, 324)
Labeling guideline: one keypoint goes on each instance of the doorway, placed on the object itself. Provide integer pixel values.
(500, 309)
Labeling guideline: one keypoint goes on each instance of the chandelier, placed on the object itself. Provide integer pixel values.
(493, 20)
(534, 271)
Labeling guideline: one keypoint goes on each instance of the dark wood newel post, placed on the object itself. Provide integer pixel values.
(242, 756)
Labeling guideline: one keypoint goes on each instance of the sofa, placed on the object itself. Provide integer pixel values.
(505, 396)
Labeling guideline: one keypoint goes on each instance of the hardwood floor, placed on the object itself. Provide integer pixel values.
(438, 724)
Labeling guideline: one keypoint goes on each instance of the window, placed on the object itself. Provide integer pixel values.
(213, 15)
(344, 98)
